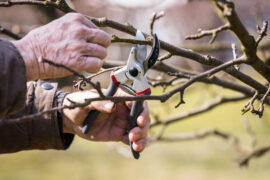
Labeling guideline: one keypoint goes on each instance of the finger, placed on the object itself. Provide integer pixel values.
(144, 118)
(140, 145)
(125, 139)
(138, 133)
(94, 50)
(102, 106)
(99, 37)
(129, 104)
(87, 22)
(89, 64)
(79, 18)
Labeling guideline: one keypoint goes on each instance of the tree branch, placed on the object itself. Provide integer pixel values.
(198, 110)
(207, 60)
(262, 32)
(9, 33)
(254, 154)
(247, 41)
(153, 19)
(75, 73)
(212, 32)
(196, 135)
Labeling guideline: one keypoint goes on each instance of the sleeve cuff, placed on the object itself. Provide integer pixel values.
(47, 131)
(66, 137)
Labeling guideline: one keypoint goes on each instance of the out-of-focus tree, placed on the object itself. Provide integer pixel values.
(237, 44)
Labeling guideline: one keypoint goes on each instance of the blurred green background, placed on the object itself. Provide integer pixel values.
(209, 158)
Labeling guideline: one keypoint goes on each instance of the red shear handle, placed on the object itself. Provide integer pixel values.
(136, 110)
(110, 91)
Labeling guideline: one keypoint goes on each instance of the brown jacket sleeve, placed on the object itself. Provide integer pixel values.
(42, 133)
(12, 78)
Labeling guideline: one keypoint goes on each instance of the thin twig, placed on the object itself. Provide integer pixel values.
(187, 136)
(212, 32)
(164, 57)
(75, 73)
(254, 154)
(249, 106)
(198, 110)
(206, 74)
(80, 83)
(207, 60)
(59, 4)
(9, 33)
(181, 101)
(261, 108)
(153, 19)
(262, 32)
(235, 56)
(248, 42)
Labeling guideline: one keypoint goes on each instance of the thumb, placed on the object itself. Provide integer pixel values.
(81, 97)
(102, 106)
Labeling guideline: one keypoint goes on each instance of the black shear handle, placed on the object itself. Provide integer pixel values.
(136, 109)
(110, 91)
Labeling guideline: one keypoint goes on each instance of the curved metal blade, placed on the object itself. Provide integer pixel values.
(141, 49)
(153, 56)
(127, 89)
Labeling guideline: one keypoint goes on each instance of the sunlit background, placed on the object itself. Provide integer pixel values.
(202, 159)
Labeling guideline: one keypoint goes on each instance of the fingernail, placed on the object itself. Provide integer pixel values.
(139, 145)
(130, 137)
(141, 121)
(99, 63)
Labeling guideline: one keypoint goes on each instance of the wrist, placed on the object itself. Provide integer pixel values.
(66, 137)
(30, 61)
(66, 124)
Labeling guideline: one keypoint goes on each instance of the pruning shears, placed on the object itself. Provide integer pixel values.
(135, 69)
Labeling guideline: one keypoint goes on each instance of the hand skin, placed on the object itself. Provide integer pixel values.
(71, 40)
(111, 124)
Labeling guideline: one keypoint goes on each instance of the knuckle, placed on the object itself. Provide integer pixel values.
(93, 64)
(68, 15)
(81, 63)
(75, 47)
(92, 49)
(76, 17)
(91, 24)
(81, 30)
(99, 65)
(102, 52)
(91, 35)
(98, 51)
(107, 40)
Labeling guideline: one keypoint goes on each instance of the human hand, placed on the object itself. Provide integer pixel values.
(111, 124)
(71, 40)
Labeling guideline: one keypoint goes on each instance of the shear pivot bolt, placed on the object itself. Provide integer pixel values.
(133, 72)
